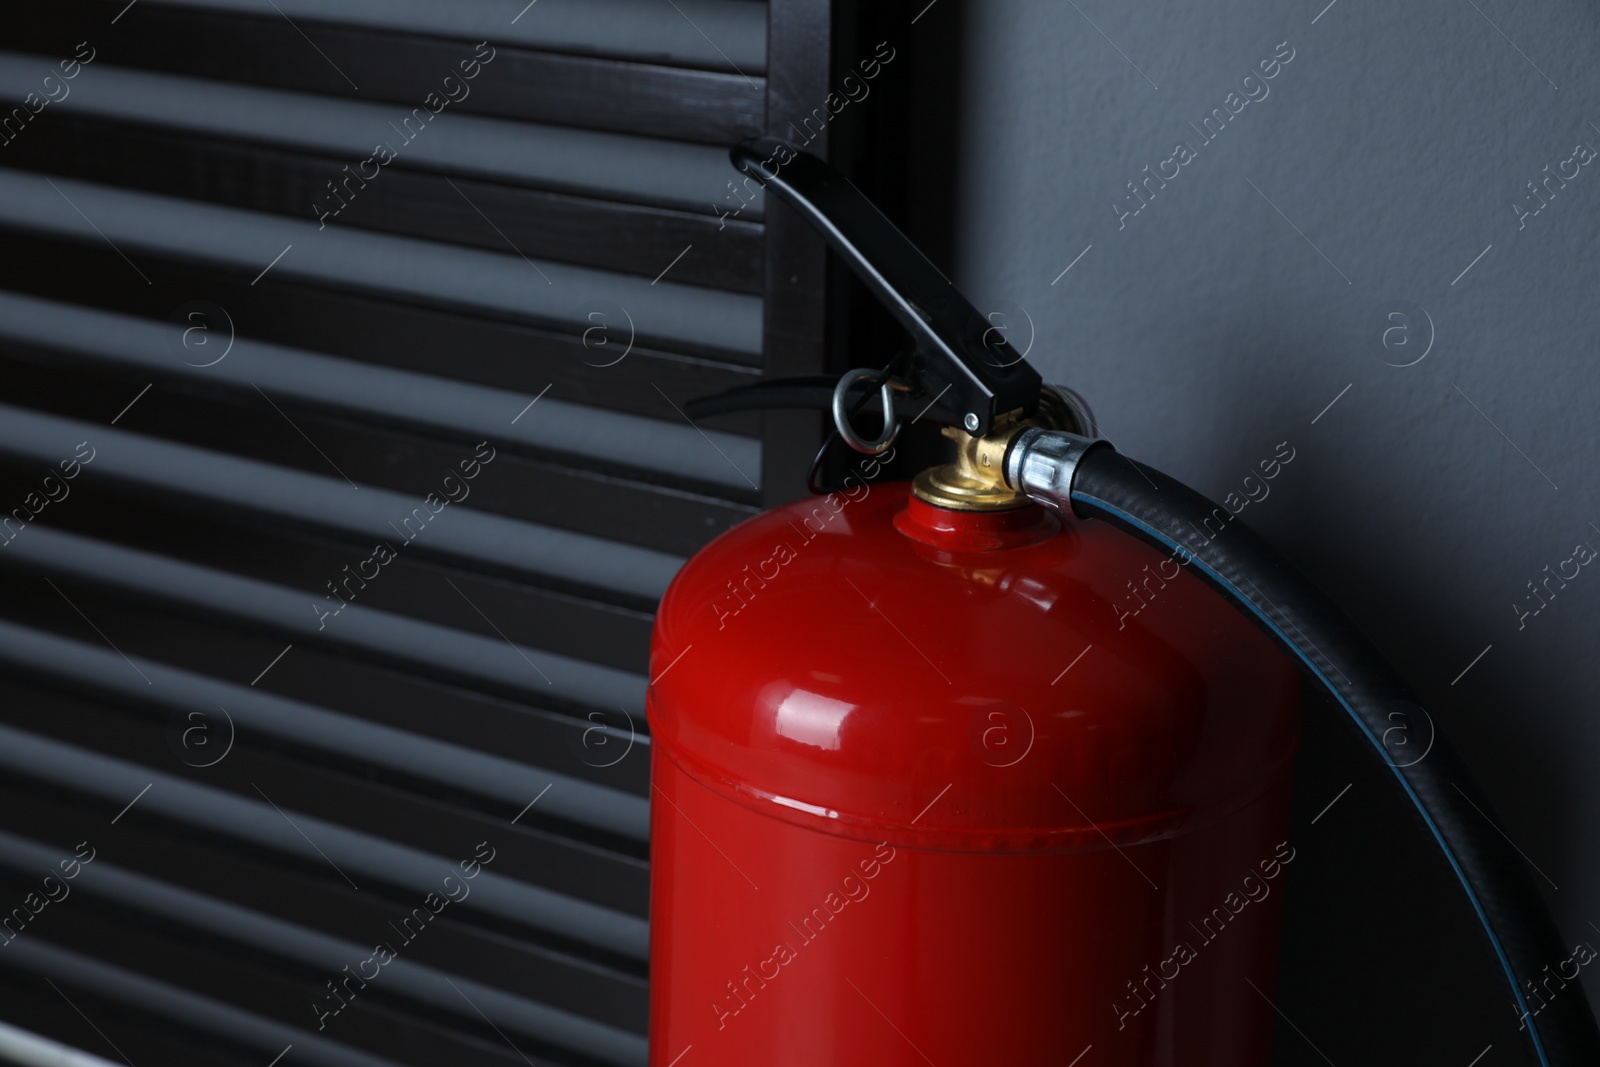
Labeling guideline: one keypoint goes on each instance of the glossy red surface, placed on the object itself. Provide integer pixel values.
(919, 798)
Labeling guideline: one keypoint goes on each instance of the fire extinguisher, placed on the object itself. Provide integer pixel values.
(982, 769)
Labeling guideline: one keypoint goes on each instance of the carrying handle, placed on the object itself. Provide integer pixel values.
(963, 372)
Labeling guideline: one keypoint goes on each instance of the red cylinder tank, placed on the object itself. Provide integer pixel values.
(953, 787)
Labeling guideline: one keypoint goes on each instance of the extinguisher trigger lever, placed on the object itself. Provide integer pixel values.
(961, 371)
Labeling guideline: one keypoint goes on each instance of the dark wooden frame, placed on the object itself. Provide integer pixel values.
(795, 324)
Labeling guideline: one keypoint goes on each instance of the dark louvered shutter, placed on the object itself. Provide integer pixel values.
(337, 491)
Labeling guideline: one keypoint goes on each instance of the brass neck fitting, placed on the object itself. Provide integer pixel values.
(976, 481)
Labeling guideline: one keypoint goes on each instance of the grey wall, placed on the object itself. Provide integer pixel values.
(1206, 330)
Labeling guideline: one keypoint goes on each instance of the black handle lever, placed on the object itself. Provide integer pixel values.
(964, 373)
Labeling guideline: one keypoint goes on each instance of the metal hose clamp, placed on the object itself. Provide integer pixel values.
(1041, 464)
(841, 417)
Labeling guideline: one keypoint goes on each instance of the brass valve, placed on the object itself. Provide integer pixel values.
(976, 480)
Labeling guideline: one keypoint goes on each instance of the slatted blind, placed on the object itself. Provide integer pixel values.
(343, 345)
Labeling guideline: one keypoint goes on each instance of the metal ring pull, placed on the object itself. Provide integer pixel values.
(841, 418)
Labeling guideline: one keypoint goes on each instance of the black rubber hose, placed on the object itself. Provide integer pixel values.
(1106, 485)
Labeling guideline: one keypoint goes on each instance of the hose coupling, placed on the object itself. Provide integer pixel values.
(1041, 464)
